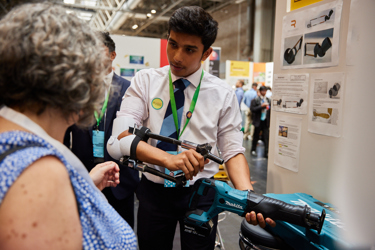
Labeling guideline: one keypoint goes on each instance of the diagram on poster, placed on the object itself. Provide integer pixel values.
(310, 37)
(326, 108)
(290, 93)
(287, 142)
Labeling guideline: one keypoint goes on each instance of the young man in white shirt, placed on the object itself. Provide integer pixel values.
(215, 119)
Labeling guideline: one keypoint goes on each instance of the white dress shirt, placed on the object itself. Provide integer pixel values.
(108, 81)
(215, 120)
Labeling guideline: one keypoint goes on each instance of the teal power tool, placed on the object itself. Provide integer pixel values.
(241, 202)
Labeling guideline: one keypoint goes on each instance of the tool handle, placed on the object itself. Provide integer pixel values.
(164, 138)
(158, 173)
(203, 149)
(215, 158)
(279, 210)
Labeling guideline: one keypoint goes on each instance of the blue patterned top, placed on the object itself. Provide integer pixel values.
(102, 226)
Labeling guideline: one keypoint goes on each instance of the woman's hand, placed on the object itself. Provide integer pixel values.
(105, 174)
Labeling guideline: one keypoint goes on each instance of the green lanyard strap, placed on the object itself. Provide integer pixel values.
(99, 118)
(173, 104)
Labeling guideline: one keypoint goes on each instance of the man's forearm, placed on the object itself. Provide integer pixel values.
(148, 153)
(239, 172)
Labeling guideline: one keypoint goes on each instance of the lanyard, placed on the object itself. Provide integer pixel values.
(98, 119)
(173, 104)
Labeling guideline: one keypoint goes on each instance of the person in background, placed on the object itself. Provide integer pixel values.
(248, 97)
(89, 144)
(205, 110)
(51, 76)
(239, 91)
(261, 110)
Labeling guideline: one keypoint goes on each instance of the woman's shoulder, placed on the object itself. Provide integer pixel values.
(22, 152)
(19, 150)
(16, 138)
(41, 201)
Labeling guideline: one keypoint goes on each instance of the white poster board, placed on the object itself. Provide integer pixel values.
(134, 54)
(269, 74)
(290, 93)
(326, 103)
(288, 139)
(310, 37)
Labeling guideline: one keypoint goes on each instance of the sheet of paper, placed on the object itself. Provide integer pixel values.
(290, 93)
(288, 141)
(326, 103)
(311, 36)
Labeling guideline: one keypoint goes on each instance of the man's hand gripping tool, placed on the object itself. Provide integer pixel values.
(180, 180)
(242, 202)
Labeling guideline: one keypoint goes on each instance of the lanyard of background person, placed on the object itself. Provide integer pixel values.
(173, 104)
(104, 108)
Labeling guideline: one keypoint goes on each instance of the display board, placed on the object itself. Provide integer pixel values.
(137, 53)
(250, 72)
(335, 162)
(212, 63)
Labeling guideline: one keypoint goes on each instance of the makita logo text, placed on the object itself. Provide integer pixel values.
(233, 205)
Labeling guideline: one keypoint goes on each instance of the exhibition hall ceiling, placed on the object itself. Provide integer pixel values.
(146, 18)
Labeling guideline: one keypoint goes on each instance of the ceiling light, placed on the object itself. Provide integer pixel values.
(153, 11)
(69, 1)
(149, 14)
(84, 18)
(89, 2)
(135, 26)
(85, 14)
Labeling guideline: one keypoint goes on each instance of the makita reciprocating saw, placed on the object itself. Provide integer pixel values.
(226, 198)
(241, 202)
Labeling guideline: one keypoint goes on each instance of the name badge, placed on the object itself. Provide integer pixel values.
(168, 183)
(98, 143)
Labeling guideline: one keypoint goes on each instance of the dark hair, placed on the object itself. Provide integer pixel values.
(194, 20)
(108, 42)
(263, 88)
(255, 84)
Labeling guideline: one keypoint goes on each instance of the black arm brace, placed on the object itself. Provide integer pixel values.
(140, 135)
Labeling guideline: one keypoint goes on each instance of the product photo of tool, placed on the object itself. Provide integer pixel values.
(290, 53)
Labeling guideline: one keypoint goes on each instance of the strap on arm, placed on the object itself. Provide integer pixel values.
(140, 135)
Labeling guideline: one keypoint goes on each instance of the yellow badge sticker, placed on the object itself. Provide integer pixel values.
(189, 114)
(157, 103)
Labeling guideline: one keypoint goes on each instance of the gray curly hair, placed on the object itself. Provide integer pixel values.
(49, 58)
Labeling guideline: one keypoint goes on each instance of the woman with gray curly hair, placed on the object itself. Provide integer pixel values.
(51, 76)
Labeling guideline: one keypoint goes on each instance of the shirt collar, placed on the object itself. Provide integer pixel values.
(108, 79)
(193, 78)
